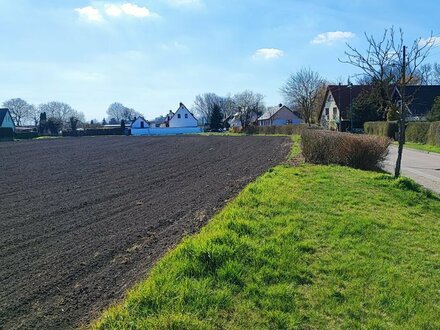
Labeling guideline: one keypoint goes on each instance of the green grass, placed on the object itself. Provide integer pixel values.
(307, 247)
(423, 147)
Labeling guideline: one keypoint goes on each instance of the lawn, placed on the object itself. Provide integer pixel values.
(307, 247)
(423, 147)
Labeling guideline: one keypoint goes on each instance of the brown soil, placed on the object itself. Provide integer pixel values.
(83, 219)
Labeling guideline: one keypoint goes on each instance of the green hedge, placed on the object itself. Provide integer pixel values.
(25, 135)
(6, 134)
(285, 129)
(417, 132)
(434, 134)
(381, 128)
(95, 132)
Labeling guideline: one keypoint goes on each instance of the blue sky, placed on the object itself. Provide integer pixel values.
(151, 55)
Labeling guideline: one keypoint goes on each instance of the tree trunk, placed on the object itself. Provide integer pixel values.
(401, 143)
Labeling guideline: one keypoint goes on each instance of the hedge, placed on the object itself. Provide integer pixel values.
(381, 128)
(417, 132)
(434, 134)
(95, 131)
(357, 151)
(285, 129)
(25, 135)
(6, 134)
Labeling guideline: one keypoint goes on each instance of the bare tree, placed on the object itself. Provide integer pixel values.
(34, 115)
(20, 110)
(204, 105)
(120, 112)
(60, 111)
(388, 63)
(302, 91)
(436, 74)
(248, 106)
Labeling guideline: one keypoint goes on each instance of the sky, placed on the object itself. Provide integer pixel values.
(152, 54)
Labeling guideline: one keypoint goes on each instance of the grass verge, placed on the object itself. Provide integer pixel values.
(302, 247)
(423, 147)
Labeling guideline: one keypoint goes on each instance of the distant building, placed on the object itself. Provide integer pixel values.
(140, 123)
(419, 100)
(182, 118)
(280, 115)
(6, 119)
(335, 110)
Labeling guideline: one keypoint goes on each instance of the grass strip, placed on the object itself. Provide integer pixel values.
(302, 247)
(423, 147)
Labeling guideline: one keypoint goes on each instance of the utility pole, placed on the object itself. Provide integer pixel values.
(402, 117)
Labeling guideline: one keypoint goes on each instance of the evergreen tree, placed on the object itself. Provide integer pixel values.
(104, 122)
(216, 117)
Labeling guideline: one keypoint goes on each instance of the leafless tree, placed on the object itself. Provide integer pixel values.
(20, 110)
(388, 63)
(34, 115)
(204, 105)
(120, 112)
(436, 74)
(248, 106)
(302, 91)
(61, 112)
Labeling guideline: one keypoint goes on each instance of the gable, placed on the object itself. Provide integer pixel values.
(183, 113)
(138, 123)
(6, 118)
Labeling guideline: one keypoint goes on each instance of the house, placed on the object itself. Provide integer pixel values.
(6, 119)
(234, 121)
(278, 116)
(180, 122)
(182, 118)
(140, 123)
(335, 110)
(419, 100)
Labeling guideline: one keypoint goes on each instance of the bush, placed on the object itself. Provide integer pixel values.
(357, 151)
(417, 132)
(6, 134)
(95, 132)
(285, 129)
(381, 128)
(25, 135)
(433, 136)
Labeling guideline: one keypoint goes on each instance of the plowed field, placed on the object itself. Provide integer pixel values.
(83, 219)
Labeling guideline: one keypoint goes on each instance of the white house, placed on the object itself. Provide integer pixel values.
(280, 115)
(140, 123)
(6, 119)
(182, 118)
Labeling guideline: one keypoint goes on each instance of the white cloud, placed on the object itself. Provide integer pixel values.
(186, 3)
(329, 38)
(113, 10)
(136, 11)
(268, 53)
(89, 13)
(434, 41)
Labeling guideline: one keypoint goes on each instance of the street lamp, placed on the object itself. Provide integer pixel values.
(350, 85)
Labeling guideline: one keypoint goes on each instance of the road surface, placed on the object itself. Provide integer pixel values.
(422, 167)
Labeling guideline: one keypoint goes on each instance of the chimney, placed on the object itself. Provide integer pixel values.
(280, 105)
(181, 104)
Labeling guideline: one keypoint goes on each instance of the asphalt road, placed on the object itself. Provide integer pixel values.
(422, 167)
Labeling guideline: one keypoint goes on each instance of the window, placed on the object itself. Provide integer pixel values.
(335, 112)
(142, 124)
(179, 116)
(186, 115)
(327, 111)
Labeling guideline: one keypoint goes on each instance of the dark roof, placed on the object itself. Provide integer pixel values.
(421, 98)
(343, 95)
(3, 112)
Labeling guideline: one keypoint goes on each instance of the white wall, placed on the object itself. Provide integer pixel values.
(186, 118)
(166, 131)
(138, 123)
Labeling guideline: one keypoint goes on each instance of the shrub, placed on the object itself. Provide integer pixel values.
(417, 132)
(285, 129)
(95, 132)
(6, 134)
(433, 136)
(358, 151)
(25, 135)
(381, 128)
